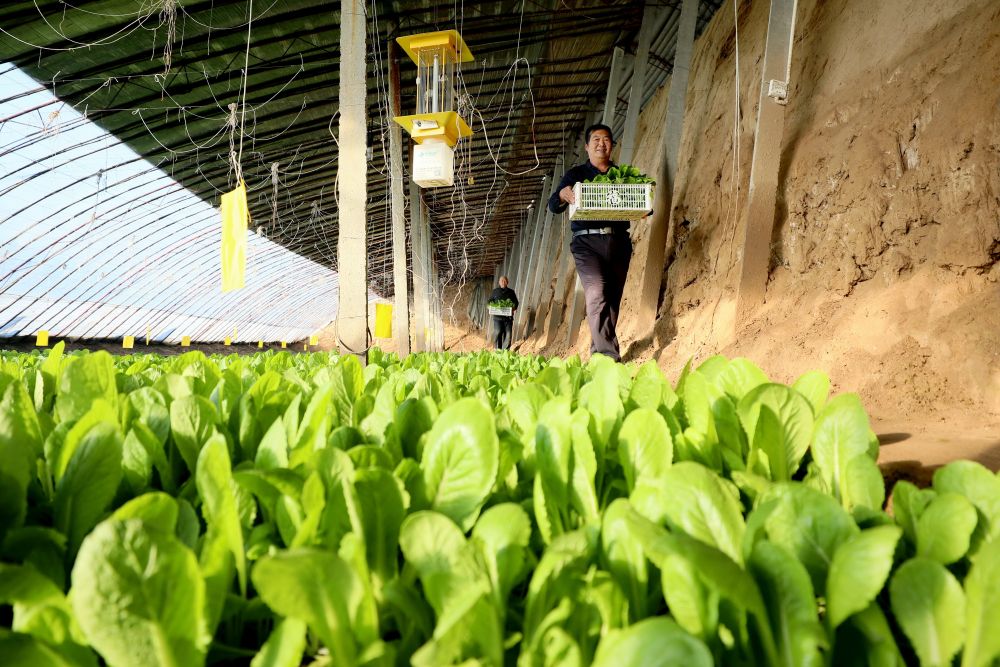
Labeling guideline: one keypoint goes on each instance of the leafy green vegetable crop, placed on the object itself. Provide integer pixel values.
(486, 509)
(622, 173)
(501, 303)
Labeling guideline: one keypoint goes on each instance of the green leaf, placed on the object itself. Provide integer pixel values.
(24, 650)
(645, 447)
(624, 557)
(284, 647)
(739, 377)
(945, 528)
(157, 510)
(216, 487)
(502, 533)
(795, 417)
(859, 569)
(414, 417)
(85, 379)
(808, 524)
(693, 499)
(980, 486)
(652, 643)
(841, 434)
(317, 587)
(436, 548)
(20, 446)
(40, 608)
(908, 504)
(460, 460)
(866, 638)
(929, 605)
(138, 596)
(791, 605)
(815, 386)
(89, 484)
(982, 607)
(381, 506)
(192, 423)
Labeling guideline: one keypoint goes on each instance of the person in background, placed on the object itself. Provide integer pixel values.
(602, 249)
(504, 324)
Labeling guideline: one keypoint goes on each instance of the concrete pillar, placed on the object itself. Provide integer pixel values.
(520, 260)
(401, 293)
(352, 316)
(638, 83)
(420, 276)
(527, 310)
(652, 272)
(766, 158)
(614, 80)
(578, 306)
(541, 294)
(430, 267)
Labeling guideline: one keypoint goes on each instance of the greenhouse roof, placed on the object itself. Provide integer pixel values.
(165, 77)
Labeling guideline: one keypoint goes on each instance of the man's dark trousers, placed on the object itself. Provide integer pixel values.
(504, 326)
(602, 261)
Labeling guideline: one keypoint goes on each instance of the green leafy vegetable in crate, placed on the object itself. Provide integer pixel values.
(501, 303)
(623, 173)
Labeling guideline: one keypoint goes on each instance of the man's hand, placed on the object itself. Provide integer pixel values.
(566, 195)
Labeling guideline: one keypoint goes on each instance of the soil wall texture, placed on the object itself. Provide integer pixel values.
(885, 262)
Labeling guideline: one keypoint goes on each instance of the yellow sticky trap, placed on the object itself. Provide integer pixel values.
(147, 335)
(42, 339)
(284, 345)
(314, 340)
(260, 345)
(128, 342)
(305, 347)
(228, 341)
(383, 320)
(185, 341)
(235, 217)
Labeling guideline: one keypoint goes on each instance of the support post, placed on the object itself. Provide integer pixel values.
(614, 80)
(766, 158)
(521, 257)
(430, 269)
(532, 273)
(638, 84)
(352, 316)
(652, 273)
(401, 295)
(540, 297)
(578, 308)
(419, 269)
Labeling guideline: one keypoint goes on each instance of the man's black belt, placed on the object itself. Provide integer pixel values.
(599, 230)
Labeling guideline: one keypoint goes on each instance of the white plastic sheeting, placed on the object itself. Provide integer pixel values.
(95, 242)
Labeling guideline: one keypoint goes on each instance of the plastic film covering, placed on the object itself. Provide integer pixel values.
(96, 242)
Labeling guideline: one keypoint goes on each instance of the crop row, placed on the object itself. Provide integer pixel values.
(484, 509)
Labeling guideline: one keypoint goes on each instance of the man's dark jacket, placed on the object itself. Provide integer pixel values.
(504, 293)
(578, 174)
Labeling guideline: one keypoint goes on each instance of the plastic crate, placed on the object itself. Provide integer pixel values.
(611, 201)
(506, 311)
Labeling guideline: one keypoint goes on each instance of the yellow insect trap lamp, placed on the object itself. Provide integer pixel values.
(436, 127)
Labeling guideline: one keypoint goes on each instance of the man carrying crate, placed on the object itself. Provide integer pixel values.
(503, 324)
(602, 249)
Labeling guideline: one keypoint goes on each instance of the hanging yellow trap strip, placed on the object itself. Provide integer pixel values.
(235, 218)
(383, 320)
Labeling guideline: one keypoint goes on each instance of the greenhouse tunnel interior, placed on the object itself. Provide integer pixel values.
(122, 124)
(548, 333)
